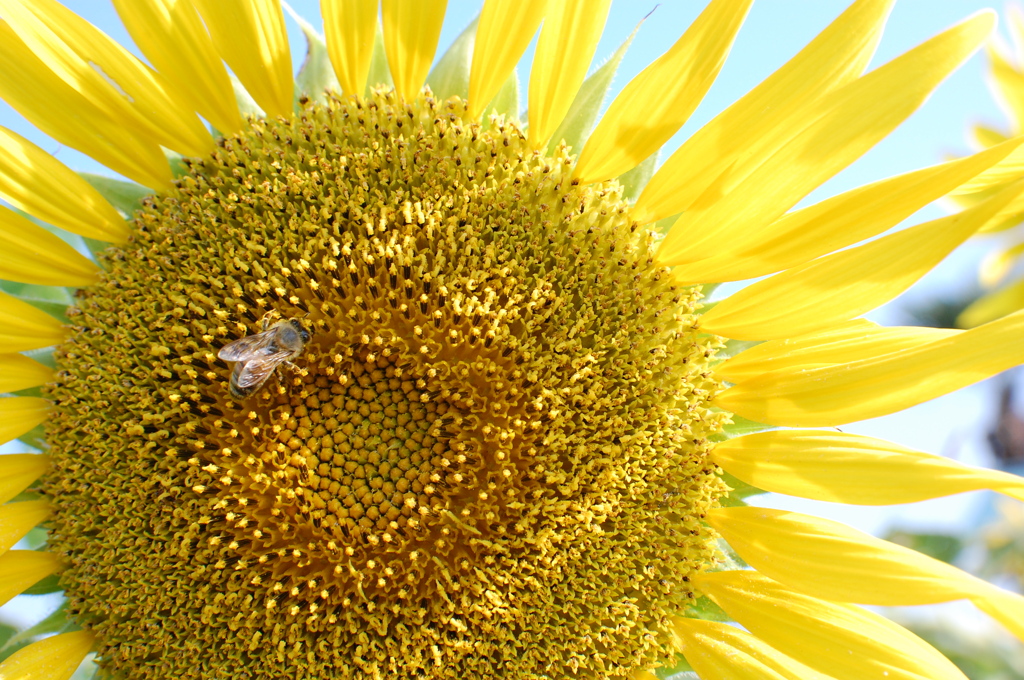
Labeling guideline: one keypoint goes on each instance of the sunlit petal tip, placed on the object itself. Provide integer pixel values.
(18, 415)
(19, 372)
(52, 658)
(506, 28)
(20, 569)
(18, 471)
(17, 519)
(655, 104)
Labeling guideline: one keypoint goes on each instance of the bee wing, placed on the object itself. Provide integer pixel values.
(253, 372)
(247, 348)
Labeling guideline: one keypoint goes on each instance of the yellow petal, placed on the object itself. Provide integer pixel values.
(52, 658)
(45, 188)
(18, 372)
(851, 469)
(88, 60)
(866, 388)
(845, 641)
(18, 415)
(993, 306)
(411, 30)
(845, 342)
(840, 221)
(997, 265)
(506, 28)
(822, 140)
(655, 104)
(751, 130)
(18, 471)
(58, 110)
(1008, 83)
(349, 26)
(832, 561)
(21, 569)
(846, 284)
(22, 326)
(250, 36)
(718, 651)
(566, 46)
(17, 519)
(986, 136)
(30, 254)
(173, 38)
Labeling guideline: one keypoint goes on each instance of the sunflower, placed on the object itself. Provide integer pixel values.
(358, 375)
(999, 273)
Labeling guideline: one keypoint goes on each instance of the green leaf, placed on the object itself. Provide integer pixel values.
(450, 76)
(633, 181)
(506, 102)
(125, 196)
(49, 584)
(6, 633)
(380, 74)
(582, 116)
(316, 74)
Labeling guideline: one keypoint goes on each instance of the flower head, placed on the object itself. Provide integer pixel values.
(383, 382)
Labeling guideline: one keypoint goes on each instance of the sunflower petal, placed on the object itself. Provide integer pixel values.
(843, 285)
(18, 471)
(747, 133)
(250, 36)
(993, 306)
(655, 104)
(173, 38)
(845, 342)
(822, 140)
(18, 372)
(839, 392)
(21, 569)
(579, 121)
(1008, 83)
(564, 51)
(411, 30)
(32, 89)
(997, 265)
(42, 186)
(349, 26)
(90, 61)
(851, 469)
(18, 415)
(30, 254)
(842, 640)
(316, 75)
(840, 221)
(52, 658)
(22, 326)
(506, 28)
(17, 519)
(718, 651)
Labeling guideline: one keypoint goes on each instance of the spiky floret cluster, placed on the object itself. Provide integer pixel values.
(489, 460)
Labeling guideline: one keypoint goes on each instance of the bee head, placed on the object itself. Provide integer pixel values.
(300, 329)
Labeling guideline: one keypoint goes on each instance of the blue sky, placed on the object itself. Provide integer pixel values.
(774, 31)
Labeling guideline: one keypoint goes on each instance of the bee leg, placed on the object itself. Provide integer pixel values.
(267, 317)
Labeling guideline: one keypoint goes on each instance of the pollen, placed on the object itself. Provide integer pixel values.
(489, 459)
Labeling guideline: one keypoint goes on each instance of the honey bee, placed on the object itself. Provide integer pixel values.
(258, 356)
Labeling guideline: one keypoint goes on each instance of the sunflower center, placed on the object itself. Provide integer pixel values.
(487, 460)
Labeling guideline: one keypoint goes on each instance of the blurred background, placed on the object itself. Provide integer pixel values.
(979, 425)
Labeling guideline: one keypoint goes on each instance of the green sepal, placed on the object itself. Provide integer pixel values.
(177, 163)
(380, 73)
(705, 609)
(317, 73)
(43, 356)
(663, 225)
(53, 300)
(35, 438)
(506, 102)
(633, 181)
(126, 197)
(247, 106)
(734, 347)
(582, 116)
(740, 491)
(943, 547)
(57, 622)
(89, 669)
(679, 670)
(450, 75)
(741, 426)
(45, 586)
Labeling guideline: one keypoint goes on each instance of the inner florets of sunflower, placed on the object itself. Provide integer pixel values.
(489, 459)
